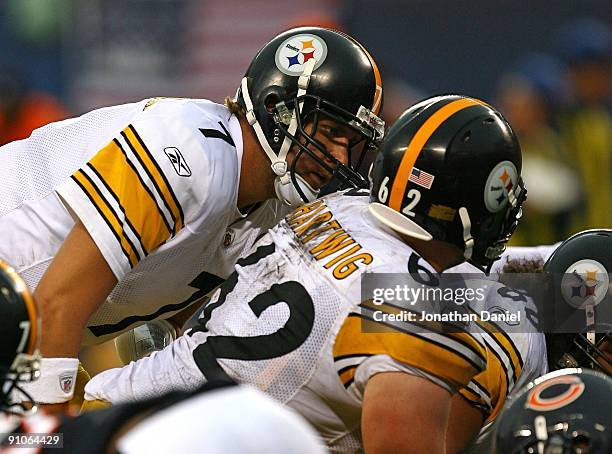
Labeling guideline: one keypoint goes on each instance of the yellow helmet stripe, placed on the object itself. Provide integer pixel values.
(378, 89)
(414, 148)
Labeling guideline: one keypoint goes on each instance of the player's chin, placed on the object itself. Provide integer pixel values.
(315, 180)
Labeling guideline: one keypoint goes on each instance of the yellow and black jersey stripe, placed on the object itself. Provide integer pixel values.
(489, 389)
(453, 358)
(477, 395)
(130, 192)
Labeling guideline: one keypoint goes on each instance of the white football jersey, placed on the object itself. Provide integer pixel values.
(155, 183)
(291, 321)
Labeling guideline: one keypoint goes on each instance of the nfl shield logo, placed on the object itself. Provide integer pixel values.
(228, 238)
(65, 382)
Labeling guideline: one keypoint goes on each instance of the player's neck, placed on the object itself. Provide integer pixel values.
(439, 254)
(256, 176)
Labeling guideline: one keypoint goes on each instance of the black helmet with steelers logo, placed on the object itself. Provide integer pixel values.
(19, 328)
(581, 302)
(449, 169)
(300, 77)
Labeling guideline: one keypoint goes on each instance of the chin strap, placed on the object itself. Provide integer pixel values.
(283, 185)
(468, 241)
(288, 194)
(589, 312)
(277, 163)
(303, 82)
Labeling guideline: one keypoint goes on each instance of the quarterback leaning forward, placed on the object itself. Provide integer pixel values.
(114, 218)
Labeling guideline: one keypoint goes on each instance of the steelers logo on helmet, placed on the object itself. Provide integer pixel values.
(585, 282)
(500, 181)
(297, 50)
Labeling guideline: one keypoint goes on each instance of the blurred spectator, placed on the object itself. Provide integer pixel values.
(528, 96)
(316, 17)
(586, 122)
(22, 111)
(398, 96)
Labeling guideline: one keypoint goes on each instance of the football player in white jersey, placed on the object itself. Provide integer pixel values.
(114, 218)
(224, 418)
(291, 318)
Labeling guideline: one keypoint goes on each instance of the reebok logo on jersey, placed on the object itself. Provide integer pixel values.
(178, 162)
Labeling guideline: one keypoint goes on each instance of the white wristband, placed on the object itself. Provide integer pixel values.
(56, 381)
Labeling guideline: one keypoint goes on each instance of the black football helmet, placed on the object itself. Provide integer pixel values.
(19, 328)
(449, 169)
(580, 275)
(301, 76)
(558, 413)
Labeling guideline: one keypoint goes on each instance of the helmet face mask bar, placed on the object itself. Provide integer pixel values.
(599, 360)
(25, 369)
(558, 440)
(576, 350)
(366, 138)
(496, 248)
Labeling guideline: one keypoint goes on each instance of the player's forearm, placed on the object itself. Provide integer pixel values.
(74, 286)
(172, 368)
(61, 327)
(60, 338)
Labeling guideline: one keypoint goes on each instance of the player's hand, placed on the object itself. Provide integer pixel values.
(52, 409)
(92, 405)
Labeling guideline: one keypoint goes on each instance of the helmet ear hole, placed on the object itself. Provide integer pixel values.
(467, 136)
(271, 101)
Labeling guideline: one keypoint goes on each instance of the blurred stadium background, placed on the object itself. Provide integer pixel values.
(545, 65)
